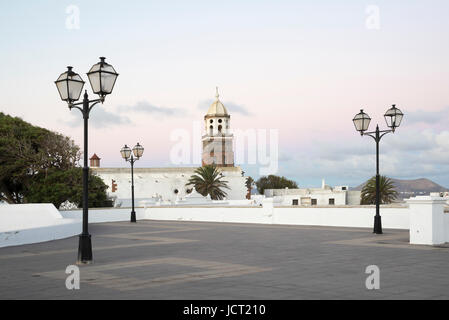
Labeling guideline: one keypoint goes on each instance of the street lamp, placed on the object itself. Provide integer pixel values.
(102, 77)
(393, 118)
(128, 156)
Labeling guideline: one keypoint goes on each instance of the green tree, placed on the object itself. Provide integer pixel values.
(387, 191)
(274, 182)
(38, 165)
(208, 180)
(25, 151)
(57, 186)
(19, 143)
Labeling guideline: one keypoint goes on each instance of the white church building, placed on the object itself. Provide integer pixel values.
(168, 185)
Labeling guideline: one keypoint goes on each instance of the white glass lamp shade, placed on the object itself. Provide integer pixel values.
(393, 117)
(125, 152)
(69, 85)
(138, 150)
(361, 121)
(102, 77)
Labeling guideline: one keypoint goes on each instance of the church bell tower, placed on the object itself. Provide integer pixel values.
(218, 141)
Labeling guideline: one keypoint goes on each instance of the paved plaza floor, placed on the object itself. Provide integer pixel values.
(200, 260)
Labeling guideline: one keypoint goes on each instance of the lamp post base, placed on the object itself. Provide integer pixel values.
(133, 216)
(84, 249)
(377, 225)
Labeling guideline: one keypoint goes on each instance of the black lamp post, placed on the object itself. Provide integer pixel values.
(128, 156)
(393, 118)
(102, 77)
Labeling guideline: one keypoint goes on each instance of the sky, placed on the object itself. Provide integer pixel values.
(298, 69)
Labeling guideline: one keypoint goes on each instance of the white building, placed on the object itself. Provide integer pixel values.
(168, 185)
(324, 196)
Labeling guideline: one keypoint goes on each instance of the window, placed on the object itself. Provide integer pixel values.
(343, 188)
(331, 201)
(219, 128)
(295, 202)
(313, 202)
(211, 120)
(220, 121)
(176, 191)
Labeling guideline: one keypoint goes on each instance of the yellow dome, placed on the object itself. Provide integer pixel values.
(217, 108)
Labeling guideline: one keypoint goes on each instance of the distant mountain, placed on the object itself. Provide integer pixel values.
(407, 188)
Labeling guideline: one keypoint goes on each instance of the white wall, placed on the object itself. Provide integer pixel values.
(397, 218)
(353, 197)
(31, 223)
(104, 214)
(209, 213)
(392, 218)
(164, 181)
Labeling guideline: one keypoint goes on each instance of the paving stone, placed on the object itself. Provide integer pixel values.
(197, 260)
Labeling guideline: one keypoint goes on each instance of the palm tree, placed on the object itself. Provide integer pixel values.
(387, 191)
(250, 183)
(208, 180)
